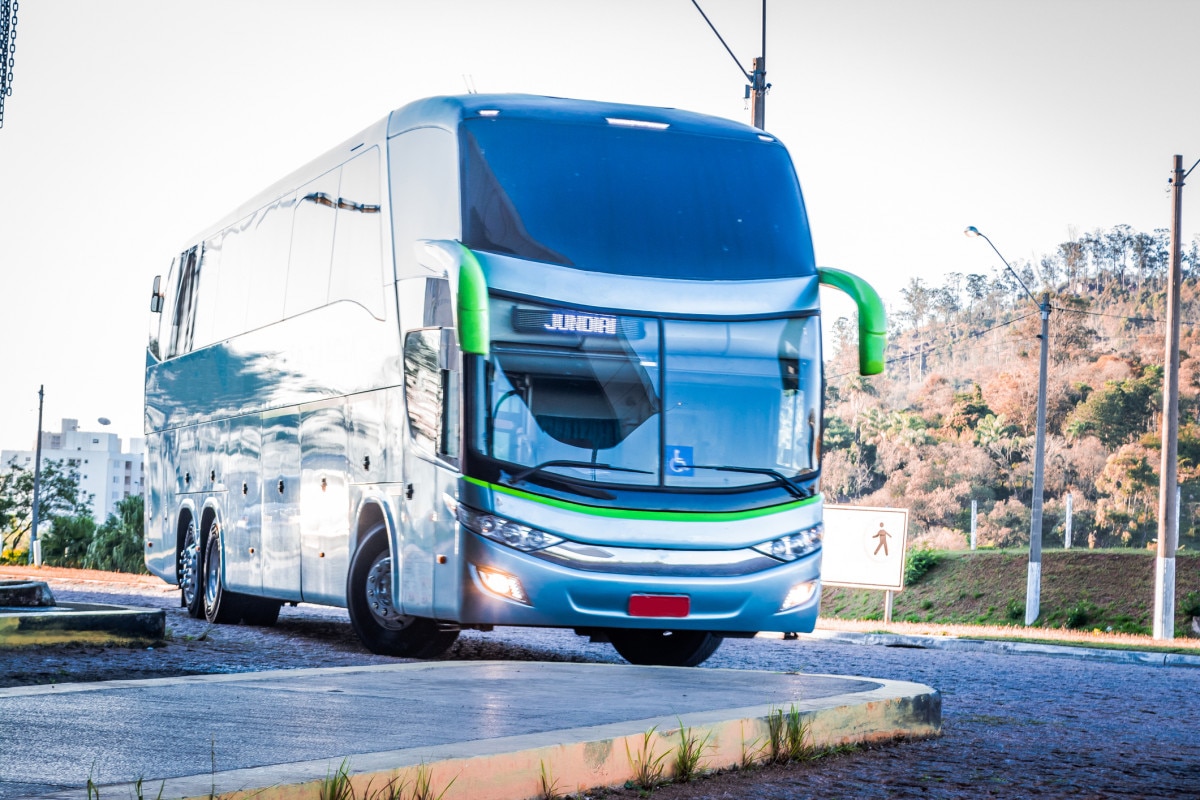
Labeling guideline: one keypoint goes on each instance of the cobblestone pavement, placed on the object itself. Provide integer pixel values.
(1015, 726)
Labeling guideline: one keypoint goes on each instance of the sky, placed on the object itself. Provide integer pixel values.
(135, 124)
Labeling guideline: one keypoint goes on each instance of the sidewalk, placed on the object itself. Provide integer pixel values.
(479, 730)
(966, 644)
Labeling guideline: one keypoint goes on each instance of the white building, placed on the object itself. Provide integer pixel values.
(105, 471)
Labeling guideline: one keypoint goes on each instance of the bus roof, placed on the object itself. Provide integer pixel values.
(448, 111)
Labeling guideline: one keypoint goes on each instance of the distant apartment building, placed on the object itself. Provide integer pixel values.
(106, 471)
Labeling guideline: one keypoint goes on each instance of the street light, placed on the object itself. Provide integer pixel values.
(1033, 586)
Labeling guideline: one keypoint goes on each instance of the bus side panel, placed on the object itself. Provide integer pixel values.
(160, 547)
(324, 502)
(183, 457)
(243, 505)
(374, 424)
(281, 504)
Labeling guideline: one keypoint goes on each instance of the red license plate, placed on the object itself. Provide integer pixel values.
(659, 605)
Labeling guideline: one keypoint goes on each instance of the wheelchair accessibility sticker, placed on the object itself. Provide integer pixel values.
(679, 461)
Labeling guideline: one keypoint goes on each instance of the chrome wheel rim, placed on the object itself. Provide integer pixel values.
(212, 572)
(190, 565)
(379, 596)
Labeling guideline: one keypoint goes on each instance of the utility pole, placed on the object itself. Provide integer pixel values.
(35, 547)
(1033, 587)
(758, 84)
(1168, 508)
(756, 90)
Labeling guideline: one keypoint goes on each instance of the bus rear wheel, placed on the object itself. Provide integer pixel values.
(220, 606)
(664, 648)
(378, 623)
(190, 580)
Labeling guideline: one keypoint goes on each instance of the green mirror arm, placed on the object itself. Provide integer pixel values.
(872, 319)
(474, 334)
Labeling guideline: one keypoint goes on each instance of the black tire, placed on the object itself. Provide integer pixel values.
(380, 627)
(220, 606)
(191, 580)
(664, 648)
(259, 610)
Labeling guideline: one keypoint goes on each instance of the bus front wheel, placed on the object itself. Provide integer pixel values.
(664, 648)
(376, 620)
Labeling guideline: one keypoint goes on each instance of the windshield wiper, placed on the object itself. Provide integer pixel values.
(780, 478)
(525, 473)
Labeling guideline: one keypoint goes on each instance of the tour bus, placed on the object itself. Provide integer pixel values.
(503, 360)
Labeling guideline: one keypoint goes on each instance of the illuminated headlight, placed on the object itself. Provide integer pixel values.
(506, 532)
(800, 594)
(794, 545)
(502, 583)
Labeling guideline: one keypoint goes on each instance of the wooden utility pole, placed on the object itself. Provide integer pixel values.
(1168, 509)
(756, 91)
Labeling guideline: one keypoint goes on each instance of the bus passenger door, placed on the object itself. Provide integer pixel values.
(281, 504)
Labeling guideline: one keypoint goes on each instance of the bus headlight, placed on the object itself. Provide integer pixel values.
(794, 545)
(801, 593)
(502, 583)
(506, 532)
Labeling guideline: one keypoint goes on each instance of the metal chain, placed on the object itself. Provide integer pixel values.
(8, 49)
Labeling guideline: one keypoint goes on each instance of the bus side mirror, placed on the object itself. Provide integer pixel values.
(872, 319)
(156, 296)
(469, 286)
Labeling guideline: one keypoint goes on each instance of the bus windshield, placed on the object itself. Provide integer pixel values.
(630, 201)
(639, 401)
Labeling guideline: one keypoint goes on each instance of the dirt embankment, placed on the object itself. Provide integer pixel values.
(1081, 589)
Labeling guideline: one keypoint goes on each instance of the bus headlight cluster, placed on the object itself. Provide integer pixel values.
(794, 545)
(506, 532)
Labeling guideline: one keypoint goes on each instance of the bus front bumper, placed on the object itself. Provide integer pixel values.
(503, 586)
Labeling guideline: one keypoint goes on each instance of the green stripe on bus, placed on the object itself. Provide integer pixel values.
(661, 516)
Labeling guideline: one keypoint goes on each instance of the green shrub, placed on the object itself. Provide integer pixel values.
(1190, 607)
(1015, 610)
(1081, 615)
(66, 543)
(918, 562)
(119, 544)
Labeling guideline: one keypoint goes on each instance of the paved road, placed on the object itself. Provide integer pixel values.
(1014, 725)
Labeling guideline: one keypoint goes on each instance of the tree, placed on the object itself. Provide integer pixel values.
(65, 544)
(59, 497)
(118, 545)
(1121, 410)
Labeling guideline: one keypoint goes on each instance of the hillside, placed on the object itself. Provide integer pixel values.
(953, 419)
(1081, 589)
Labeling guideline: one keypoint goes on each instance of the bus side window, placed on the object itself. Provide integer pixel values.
(258, 248)
(357, 272)
(423, 165)
(312, 245)
(431, 392)
(183, 318)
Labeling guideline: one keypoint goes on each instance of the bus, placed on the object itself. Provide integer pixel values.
(503, 360)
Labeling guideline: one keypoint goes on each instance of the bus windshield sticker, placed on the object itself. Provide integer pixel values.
(679, 461)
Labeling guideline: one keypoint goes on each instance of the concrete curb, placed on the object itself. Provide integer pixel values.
(82, 623)
(999, 646)
(573, 759)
